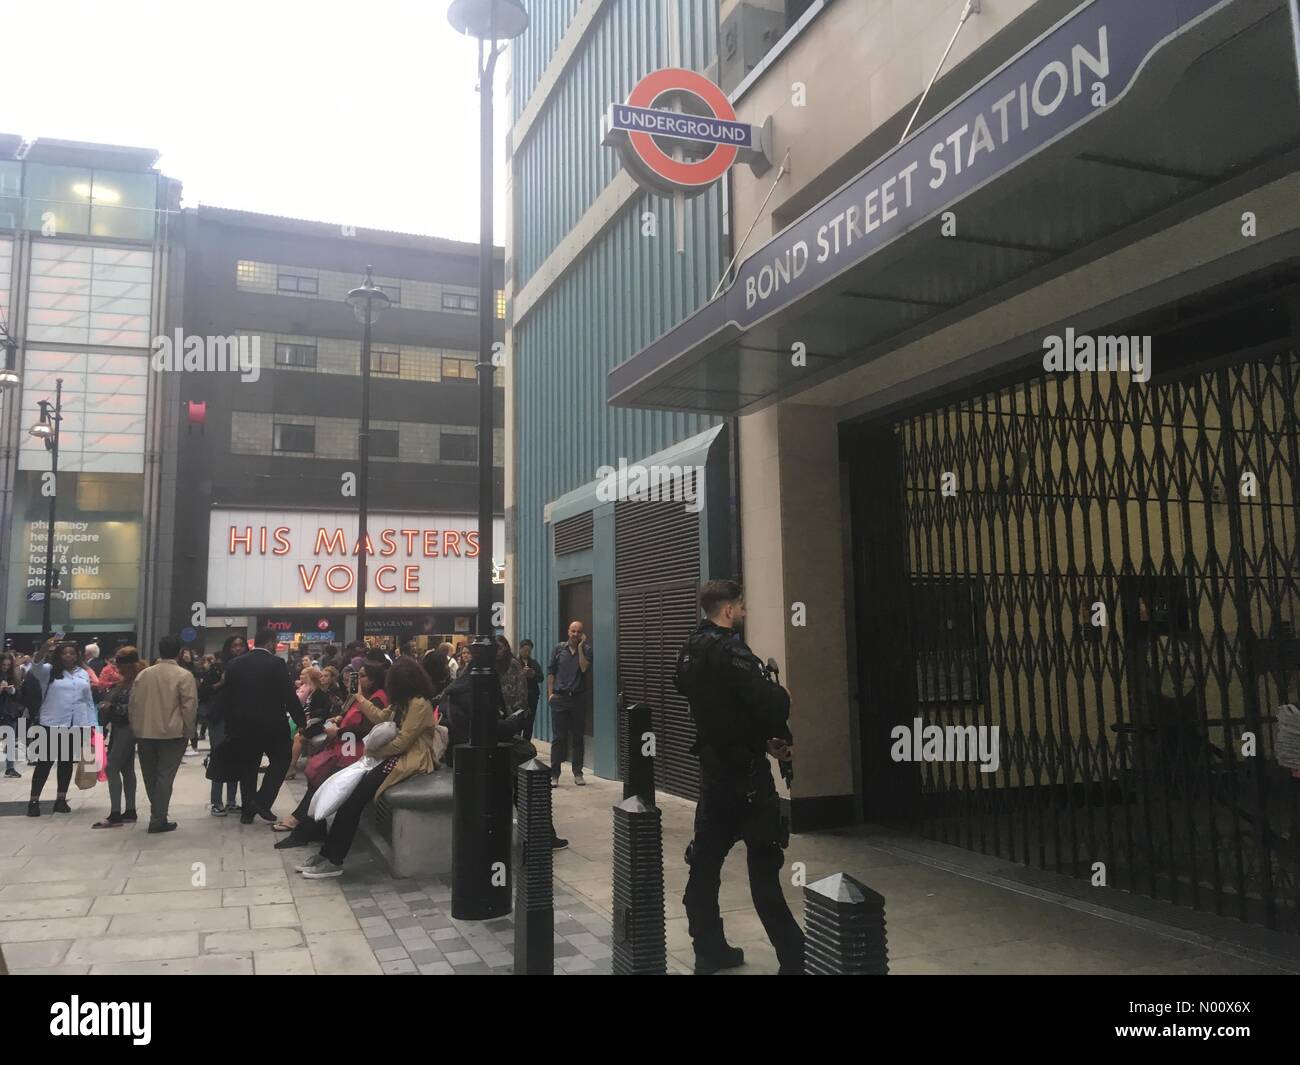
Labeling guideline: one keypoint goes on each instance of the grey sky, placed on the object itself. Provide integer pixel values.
(363, 113)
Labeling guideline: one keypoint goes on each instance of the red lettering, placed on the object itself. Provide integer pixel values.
(388, 539)
(411, 578)
(471, 538)
(338, 542)
(347, 571)
(430, 543)
(308, 584)
(379, 573)
(451, 543)
(410, 535)
(282, 539)
(370, 546)
(263, 539)
(246, 539)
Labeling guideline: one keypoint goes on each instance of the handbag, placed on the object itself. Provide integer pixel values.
(87, 776)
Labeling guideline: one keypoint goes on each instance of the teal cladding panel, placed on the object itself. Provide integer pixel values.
(561, 167)
(530, 55)
(625, 290)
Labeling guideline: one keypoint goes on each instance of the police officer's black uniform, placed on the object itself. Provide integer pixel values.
(736, 711)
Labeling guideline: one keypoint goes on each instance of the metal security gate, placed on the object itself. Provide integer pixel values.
(657, 573)
(1107, 573)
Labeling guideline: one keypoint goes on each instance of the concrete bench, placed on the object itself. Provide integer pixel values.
(409, 827)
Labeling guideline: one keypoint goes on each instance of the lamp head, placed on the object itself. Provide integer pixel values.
(490, 20)
(368, 301)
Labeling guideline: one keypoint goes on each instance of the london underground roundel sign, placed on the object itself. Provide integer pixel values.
(673, 113)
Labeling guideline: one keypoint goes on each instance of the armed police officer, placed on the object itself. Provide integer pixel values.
(740, 717)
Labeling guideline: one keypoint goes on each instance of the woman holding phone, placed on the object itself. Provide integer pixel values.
(67, 708)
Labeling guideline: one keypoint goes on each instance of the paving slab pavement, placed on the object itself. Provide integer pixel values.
(215, 897)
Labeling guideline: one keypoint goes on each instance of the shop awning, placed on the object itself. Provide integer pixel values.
(1121, 111)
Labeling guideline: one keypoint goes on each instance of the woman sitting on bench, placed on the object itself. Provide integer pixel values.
(418, 747)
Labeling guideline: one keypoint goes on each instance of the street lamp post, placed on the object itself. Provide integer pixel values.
(47, 429)
(481, 822)
(367, 302)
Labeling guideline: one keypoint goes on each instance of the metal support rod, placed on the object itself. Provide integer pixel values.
(363, 488)
(486, 320)
(1295, 36)
(54, 495)
(481, 825)
(785, 166)
(972, 8)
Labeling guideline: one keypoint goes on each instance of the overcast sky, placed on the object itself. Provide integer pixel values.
(362, 113)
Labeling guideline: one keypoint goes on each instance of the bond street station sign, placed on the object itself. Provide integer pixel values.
(680, 109)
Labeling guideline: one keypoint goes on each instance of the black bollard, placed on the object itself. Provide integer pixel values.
(640, 942)
(638, 759)
(481, 814)
(844, 922)
(534, 886)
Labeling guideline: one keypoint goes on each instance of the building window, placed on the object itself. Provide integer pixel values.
(501, 304)
(386, 361)
(383, 443)
(459, 301)
(302, 355)
(11, 186)
(457, 447)
(299, 283)
(393, 292)
(459, 369)
(300, 439)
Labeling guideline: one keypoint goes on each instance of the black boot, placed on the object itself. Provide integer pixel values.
(713, 959)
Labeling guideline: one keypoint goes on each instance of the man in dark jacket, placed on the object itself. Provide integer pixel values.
(254, 699)
(740, 718)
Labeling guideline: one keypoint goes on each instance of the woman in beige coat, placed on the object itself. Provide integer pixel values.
(418, 748)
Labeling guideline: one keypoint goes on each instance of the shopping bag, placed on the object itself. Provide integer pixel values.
(91, 770)
(335, 791)
(101, 754)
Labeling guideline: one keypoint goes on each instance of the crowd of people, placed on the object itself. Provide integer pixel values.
(318, 713)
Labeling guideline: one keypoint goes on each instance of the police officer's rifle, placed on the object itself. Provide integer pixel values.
(773, 673)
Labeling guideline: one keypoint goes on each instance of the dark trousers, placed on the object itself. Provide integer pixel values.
(568, 728)
(738, 804)
(41, 773)
(159, 760)
(217, 730)
(278, 749)
(348, 817)
(120, 767)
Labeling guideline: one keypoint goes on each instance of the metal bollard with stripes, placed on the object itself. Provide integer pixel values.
(844, 922)
(534, 883)
(640, 940)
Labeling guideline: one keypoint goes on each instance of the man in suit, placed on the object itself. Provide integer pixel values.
(255, 697)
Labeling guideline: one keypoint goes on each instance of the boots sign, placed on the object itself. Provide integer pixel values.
(280, 560)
